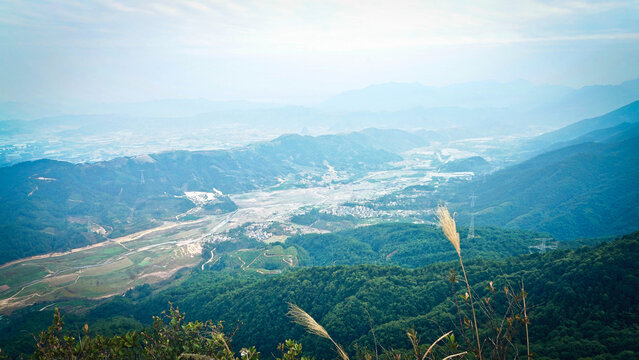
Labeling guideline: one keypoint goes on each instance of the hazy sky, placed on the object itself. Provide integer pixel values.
(299, 51)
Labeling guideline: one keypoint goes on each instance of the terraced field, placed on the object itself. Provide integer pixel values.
(108, 269)
(268, 261)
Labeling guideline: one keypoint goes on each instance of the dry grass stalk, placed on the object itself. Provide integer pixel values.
(455, 355)
(301, 317)
(433, 344)
(450, 231)
(195, 356)
(523, 295)
(370, 323)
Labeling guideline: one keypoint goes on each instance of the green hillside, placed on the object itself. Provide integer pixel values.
(406, 245)
(587, 297)
(584, 190)
(403, 244)
(628, 113)
(617, 133)
(582, 303)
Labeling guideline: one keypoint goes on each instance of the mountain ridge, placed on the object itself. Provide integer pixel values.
(582, 190)
(47, 205)
(627, 113)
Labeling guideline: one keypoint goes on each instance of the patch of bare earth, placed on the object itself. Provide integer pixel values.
(62, 279)
(119, 240)
(162, 275)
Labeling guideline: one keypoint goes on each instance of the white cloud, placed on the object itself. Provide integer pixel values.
(292, 26)
(274, 39)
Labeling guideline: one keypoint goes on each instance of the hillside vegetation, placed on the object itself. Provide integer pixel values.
(582, 303)
(584, 190)
(625, 114)
(407, 245)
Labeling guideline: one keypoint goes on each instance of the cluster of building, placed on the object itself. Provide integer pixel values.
(218, 238)
(359, 211)
(258, 231)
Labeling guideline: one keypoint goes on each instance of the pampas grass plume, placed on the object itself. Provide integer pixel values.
(448, 226)
(301, 317)
(450, 231)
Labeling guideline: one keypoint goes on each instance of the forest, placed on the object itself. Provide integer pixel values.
(582, 303)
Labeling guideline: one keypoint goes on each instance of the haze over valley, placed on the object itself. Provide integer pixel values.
(381, 176)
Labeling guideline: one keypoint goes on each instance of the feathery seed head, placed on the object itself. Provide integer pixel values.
(301, 317)
(448, 226)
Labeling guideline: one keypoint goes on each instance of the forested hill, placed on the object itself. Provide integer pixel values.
(625, 114)
(621, 132)
(52, 205)
(581, 303)
(584, 190)
(588, 297)
(407, 245)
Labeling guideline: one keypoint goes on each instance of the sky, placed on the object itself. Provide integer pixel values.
(301, 52)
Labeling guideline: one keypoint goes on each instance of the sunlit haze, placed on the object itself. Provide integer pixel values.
(302, 52)
(207, 178)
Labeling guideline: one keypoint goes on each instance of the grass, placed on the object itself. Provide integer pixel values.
(108, 268)
(18, 274)
(302, 318)
(450, 231)
(265, 260)
(110, 275)
(36, 288)
(146, 261)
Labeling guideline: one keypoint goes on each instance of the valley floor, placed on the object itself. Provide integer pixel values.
(153, 255)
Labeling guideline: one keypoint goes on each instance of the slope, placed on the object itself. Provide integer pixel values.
(628, 113)
(588, 101)
(582, 302)
(617, 133)
(587, 297)
(584, 190)
(407, 245)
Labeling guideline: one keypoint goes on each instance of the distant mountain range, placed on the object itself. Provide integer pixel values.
(585, 189)
(519, 94)
(517, 102)
(476, 108)
(588, 101)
